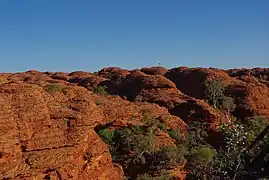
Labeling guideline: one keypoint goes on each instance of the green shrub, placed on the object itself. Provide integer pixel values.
(227, 104)
(138, 98)
(144, 142)
(134, 146)
(197, 134)
(138, 129)
(52, 88)
(177, 135)
(107, 135)
(203, 154)
(256, 124)
(154, 123)
(110, 138)
(163, 175)
(234, 153)
(100, 90)
(214, 93)
(170, 156)
(98, 102)
(253, 127)
(200, 159)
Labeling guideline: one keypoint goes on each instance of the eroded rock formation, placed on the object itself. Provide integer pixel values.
(50, 134)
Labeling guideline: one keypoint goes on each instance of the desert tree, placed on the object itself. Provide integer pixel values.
(215, 95)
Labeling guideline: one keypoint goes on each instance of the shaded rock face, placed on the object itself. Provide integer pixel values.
(250, 94)
(190, 80)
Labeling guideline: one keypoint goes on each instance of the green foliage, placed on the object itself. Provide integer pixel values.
(197, 134)
(231, 158)
(110, 137)
(154, 123)
(135, 139)
(254, 126)
(138, 98)
(177, 135)
(200, 157)
(100, 90)
(162, 126)
(163, 175)
(170, 156)
(137, 129)
(204, 154)
(144, 142)
(107, 135)
(214, 93)
(52, 88)
(98, 102)
(227, 104)
(134, 146)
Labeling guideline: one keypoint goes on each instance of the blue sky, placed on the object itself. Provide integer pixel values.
(69, 35)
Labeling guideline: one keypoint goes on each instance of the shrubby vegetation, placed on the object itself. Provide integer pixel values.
(52, 88)
(164, 175)
(133, 147)
(214, 93)
(101, 90)
(138, 98)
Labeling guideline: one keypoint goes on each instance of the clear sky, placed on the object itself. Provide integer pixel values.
(69, 35)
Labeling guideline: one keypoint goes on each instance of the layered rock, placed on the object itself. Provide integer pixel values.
(44, 135)
(50, 133)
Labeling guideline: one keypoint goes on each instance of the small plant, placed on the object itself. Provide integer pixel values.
(162, 126)
(107, 135)
(101, 90)
(144, 142)
(98, 102)
(52, 88)
(138, 129)
(155, 123)
(110, 138)
(138, 98)
(163, 175)
(203, 154)
(177, 135)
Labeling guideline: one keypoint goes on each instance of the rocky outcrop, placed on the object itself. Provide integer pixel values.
(190, 80)
(46, 135)
(157, 70)
(48, 120)
(250, 94)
